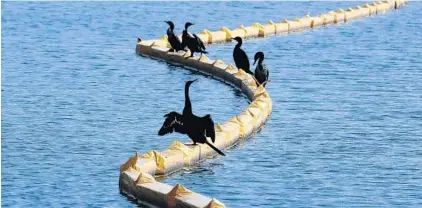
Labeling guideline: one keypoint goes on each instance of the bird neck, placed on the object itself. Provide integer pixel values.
(239, 44)
(171, 27)
(260, 60)
(188, 105)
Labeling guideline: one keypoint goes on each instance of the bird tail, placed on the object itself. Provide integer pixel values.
(215, 148)
(202, 51)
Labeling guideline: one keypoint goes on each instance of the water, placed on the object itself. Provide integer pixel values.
(77, 102)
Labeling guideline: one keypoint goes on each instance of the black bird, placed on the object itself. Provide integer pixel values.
(174, 41)
(261, 70)
(193, 42)
(197, 128)
(240, 58)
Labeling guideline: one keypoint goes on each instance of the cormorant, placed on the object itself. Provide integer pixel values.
(261, 70)
(197, 128)
(174, 41)
(194, 43)
(240, 58)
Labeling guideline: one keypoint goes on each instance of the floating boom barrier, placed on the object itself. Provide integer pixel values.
(137, 174)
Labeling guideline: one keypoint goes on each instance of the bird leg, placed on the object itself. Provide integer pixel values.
(191, 56)
(264, 83)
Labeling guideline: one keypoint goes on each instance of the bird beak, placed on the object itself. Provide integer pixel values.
(194, 80)
(254, 62)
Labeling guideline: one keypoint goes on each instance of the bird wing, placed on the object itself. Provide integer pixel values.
(260, 74)
(174, 40)
(185, 37)
(177, 39)
(169, 33)
(246, 60)
(173, 122)
(200, 43)
(267, 71)
(176, 43)
(242, 61)
(209, 127)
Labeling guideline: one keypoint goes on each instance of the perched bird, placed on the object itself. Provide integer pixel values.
(261, 70)
(173, 39)
(139, 40)
(197, 128)
(240, 58)
(193, 42)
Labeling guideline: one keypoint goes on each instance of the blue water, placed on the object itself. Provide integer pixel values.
(77, 102)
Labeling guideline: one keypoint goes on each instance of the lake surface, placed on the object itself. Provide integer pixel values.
(77, 102)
